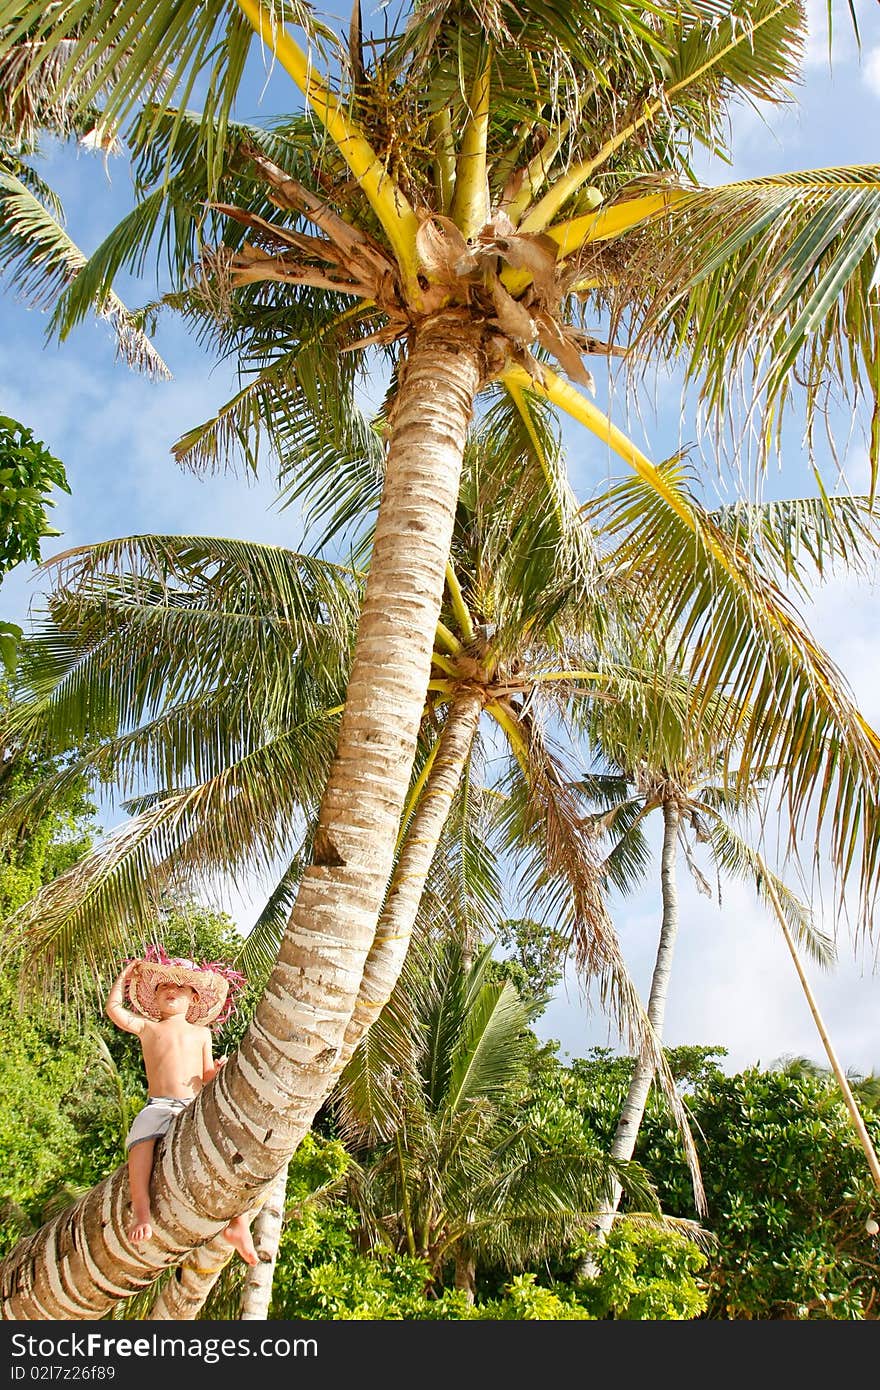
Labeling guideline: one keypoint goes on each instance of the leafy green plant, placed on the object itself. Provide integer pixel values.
(791, 1202)
(789, 1198)
(526, 1300)
(644, 1274)
(28, 472)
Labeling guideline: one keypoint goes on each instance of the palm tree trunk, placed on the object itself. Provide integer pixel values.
(224, 1149)
(465, 1274)
(849, 1099)
(392, 939)
(183, 1295)
(627, 1132)
(381, 971)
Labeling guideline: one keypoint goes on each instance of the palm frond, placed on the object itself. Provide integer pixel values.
(630, 856)
(766, 276)
(262, 627)
(491, 1048)
(619, 820)
(805, 536)
(238, 824)
(42, 260)
(735, 857)
(465, 874)
(136, 58)
(556, 1187)
(739, 635)
(260, 947)
(368, 1099)
(175, 214)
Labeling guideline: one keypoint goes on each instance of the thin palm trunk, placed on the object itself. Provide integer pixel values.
(631, 1115)
(385, 961)
(183, 1295)
(381, 971)
(226, 1148)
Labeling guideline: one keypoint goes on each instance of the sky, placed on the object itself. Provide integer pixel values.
(733, 982)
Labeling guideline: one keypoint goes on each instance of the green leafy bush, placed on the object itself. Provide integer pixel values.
(28, 472)
(645, 1274)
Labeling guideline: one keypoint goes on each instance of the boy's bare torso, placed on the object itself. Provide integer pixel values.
(175, 1055)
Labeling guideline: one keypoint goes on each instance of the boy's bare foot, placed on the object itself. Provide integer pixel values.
(140, 1231)
(238, 1234)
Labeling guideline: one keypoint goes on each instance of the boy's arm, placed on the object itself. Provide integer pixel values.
(115, 1009)
(210, 1068)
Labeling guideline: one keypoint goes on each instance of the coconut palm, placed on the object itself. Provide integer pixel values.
(123, 611)
(115, 633)
(623, 97)
(657, 764)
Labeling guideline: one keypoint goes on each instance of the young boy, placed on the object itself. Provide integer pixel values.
(174, 1001)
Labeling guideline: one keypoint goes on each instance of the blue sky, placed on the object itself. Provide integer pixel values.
(733, 982)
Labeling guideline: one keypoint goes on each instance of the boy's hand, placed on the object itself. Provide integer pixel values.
(215, 1066)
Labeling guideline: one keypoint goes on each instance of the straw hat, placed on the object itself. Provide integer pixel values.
(210, 986)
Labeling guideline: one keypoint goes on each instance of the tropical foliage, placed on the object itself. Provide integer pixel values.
(796, 1248)
(452, 1175)
(790, 1201)
(28, 474)
(51, 840)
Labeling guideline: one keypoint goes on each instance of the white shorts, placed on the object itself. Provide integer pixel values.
(155, 1118)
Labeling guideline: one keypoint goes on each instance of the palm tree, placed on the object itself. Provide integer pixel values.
(120, 614)
(410, 250)
(658, 764)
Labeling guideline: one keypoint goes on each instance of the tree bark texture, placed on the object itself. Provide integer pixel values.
(225, 1149)
(466, 1274)
(182, 1297)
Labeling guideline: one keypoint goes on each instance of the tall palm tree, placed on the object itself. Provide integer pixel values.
(410, 250)
(120, 615)
(658, 764)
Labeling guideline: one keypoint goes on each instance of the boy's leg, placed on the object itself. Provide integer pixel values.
(140, 1166)
(238, 1233)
